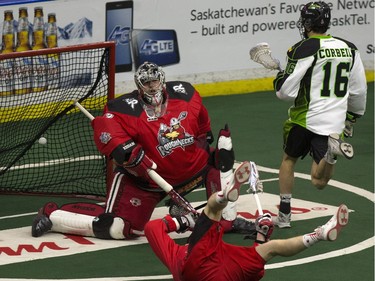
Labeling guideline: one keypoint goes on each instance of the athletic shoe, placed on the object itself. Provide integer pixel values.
(337, 147)
(283, 220)
(241, 175)
(332, 228)
(264, 225)
(41, 225)
(243, 226)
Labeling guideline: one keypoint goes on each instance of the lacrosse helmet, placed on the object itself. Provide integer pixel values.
(152, 95)
(315, 16)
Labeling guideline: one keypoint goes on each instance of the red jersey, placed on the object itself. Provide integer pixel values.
(171, 141)
(212, 259)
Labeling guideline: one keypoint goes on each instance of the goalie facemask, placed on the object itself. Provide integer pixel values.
(315, 16)
(150, 81)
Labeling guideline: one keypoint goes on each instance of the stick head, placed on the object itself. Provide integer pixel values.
(261, 53)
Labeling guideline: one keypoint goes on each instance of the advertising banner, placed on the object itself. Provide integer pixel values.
(201, 41)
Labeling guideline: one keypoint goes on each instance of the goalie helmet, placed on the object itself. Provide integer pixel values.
(315, 16)
(150, 81)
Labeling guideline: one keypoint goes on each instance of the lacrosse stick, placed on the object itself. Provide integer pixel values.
(177, 198)
(255, 184)
(261, 53)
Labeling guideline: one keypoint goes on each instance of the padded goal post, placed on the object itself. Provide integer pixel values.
(46, 143)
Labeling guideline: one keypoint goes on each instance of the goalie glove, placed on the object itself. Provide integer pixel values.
(139, 163)
(349, 125)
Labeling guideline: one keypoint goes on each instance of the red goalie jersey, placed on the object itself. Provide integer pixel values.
(176, 141)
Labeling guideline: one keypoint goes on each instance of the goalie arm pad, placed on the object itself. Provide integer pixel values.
(224, 154)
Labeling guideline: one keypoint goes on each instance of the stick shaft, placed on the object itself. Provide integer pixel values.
(84, 110)
(177, 198)
(253, 179)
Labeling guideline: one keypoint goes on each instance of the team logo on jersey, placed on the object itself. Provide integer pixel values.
(136, 202)
(131, 102)
(179, 89)
(108, 115)
(105, 137)
(173, 135)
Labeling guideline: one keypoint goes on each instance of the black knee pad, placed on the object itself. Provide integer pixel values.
(225, 160)
(101, 225)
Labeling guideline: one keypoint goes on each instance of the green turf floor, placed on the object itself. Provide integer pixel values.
(256, 123)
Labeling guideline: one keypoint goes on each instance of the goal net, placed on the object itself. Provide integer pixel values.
(46, 144)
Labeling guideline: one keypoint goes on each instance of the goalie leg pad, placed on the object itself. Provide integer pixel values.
(224, 154)
(108, 226)
(72, 223)
(48, 208)
(102, 224)
(84, 208)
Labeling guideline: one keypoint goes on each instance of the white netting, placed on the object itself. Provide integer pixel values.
(261, 53)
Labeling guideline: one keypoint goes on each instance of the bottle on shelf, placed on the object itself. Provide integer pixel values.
(8, 39)
(38, 30)
(39, 76)
(53, 76)
(23, 35)
(51, 32)
(22, 65)
(6, 65)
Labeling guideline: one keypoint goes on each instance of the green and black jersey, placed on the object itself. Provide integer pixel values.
(325, 78)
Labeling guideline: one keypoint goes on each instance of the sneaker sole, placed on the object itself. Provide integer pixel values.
(347, 150)
(342, 219)
(282, 224)
(241, 175)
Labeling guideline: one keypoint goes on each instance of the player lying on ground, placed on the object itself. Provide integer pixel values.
(207, 257)
(162, 126)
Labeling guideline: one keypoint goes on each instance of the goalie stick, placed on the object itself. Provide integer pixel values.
(162, 183)
(261, 53)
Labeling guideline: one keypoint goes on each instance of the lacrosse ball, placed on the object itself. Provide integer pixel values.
(42, 140)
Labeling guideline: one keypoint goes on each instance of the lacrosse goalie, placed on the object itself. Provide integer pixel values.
(162, 126)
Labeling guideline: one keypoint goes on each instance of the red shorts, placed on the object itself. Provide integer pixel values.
(128, 201)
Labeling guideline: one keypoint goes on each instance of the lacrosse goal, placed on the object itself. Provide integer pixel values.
(46, 144)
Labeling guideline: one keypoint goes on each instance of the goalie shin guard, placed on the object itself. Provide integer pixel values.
(72, 223)
(224, 155)
(105, 226)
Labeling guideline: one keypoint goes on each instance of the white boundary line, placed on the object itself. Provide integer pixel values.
(345, 251)
(370, 242)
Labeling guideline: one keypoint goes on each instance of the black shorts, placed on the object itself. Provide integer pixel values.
(299, 142)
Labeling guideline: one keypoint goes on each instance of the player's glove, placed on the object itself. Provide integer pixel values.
(139, 163)
(349, 124)
(186, 222)
(264, 225)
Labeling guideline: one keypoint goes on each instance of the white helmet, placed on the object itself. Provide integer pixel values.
(154, 99)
